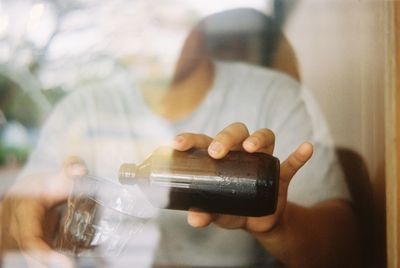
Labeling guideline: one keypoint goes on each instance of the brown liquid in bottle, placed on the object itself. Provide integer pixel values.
(240, 184)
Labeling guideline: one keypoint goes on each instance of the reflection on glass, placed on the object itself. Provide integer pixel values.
(123, 78)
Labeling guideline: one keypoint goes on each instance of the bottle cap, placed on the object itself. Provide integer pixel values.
(126, 173)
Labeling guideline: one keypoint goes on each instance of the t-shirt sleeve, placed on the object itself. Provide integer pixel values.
(292, 113)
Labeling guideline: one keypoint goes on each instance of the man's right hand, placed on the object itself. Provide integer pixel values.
(29, 213)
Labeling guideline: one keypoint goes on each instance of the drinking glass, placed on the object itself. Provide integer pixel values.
(101, 217)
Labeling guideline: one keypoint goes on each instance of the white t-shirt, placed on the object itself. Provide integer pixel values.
(111, 124)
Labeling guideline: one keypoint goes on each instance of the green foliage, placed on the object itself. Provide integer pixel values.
(17, 105)
(13, 154)
(54, 95)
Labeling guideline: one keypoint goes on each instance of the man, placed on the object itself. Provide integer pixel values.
(238, 107)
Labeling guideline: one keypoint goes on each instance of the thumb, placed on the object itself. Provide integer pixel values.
(74, 166)
(295, 161)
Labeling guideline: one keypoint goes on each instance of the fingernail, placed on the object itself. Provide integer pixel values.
(215, 148)
(193, 221)
(305, 149)
(178, 140)
(252, 142)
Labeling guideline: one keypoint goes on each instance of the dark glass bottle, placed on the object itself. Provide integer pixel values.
(240, 184)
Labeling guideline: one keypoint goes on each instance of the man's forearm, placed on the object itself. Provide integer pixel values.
(322, 236)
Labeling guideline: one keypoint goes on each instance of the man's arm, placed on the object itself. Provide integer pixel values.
(324, 235)
(321, 236)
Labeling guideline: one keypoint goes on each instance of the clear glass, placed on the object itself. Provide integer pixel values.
(101, 217)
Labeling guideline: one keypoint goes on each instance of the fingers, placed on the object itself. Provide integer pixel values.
(200, 219)
(55, 189)
(229, 138)
(233, 137)
(74, 166)
(25, 225)
(26, 228)
(185, 141)
(263, 140)
(289, 168)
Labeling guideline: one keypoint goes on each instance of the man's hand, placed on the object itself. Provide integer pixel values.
(30, 213)
(237, 137)
(297, 236)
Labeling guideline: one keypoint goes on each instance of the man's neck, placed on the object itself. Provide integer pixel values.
(183, 97)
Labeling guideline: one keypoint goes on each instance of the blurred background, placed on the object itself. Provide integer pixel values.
(50, 48)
